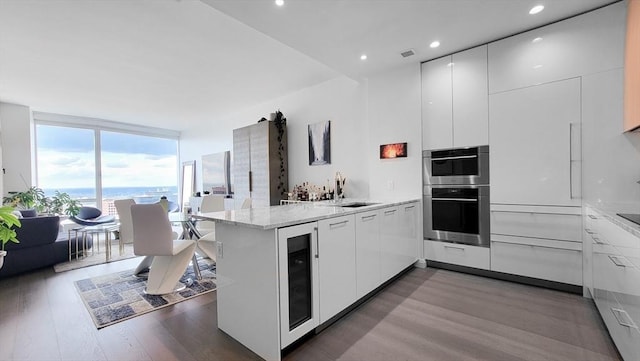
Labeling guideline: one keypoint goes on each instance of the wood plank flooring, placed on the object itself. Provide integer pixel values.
(427, 314)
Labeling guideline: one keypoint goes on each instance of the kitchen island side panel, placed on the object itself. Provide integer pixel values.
(248, 303)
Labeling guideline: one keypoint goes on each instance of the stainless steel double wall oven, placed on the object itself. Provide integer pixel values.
(456, 195)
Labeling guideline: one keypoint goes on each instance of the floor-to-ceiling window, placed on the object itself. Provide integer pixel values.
(98, 166)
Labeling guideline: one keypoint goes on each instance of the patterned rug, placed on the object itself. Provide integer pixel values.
(120, 296)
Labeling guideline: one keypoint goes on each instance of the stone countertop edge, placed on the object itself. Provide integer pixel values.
(611, 215)
(293, 214)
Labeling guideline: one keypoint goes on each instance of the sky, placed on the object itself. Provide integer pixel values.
(66, 159)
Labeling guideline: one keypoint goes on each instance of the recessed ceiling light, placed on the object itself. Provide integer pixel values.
(279, 2)
(536, 9)
(538, 66)
(435, 44)
(450, 65)
(536, 40)
(363, 57)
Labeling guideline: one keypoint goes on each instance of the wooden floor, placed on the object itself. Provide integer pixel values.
(427, 314)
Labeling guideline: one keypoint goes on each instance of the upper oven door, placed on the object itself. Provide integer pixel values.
(456, 166)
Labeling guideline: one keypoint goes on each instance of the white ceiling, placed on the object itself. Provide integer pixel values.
(180, 63)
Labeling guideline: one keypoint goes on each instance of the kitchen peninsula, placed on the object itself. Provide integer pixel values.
(284, 271)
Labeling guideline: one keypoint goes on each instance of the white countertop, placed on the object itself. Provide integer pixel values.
(610, 211)
(292, 214)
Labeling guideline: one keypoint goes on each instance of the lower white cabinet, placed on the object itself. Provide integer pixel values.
(458, 254)
(390, 255)
(367, 252)
(543, 242)
(544, 259)
(336, 265)
(615, 258)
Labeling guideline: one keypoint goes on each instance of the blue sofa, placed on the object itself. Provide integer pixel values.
(41, 245)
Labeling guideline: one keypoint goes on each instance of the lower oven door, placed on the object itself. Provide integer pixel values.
(458, 214)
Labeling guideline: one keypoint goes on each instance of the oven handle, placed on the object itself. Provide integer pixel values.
(455, 199)
(458, 157)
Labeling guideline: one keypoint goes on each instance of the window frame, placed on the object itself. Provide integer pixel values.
(98, 126)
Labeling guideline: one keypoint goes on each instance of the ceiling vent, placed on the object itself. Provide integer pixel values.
(407, 53)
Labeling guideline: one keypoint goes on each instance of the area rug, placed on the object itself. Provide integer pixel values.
(120, 296)
(95, 258)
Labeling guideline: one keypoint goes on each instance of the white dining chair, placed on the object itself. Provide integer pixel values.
(207, 241)
(166, 257)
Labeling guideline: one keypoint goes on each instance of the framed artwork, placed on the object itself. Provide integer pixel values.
(216, 173)
(395, 150)
(320, 143)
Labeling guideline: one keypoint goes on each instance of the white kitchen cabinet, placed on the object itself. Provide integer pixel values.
(543, 242)
(336, 265)
(615, 260)
(437, 104)
(392, 260)
(408, 229)
(470, 98)
(557, 223)
(454, 100)
(551, 260)
(535, 150)
(367, 252)
(458, 254)
(582, 45)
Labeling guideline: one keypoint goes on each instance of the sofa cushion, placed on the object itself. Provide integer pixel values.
(28, 213)
(35, 231)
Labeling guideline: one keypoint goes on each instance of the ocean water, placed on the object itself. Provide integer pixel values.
(140, 194)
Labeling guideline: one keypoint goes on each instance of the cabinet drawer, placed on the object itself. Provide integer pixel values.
(537, 225)
(623, 330)
(459, 254)
(591, 221)
(549, 262)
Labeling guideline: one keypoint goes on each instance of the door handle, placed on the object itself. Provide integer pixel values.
(250, 181)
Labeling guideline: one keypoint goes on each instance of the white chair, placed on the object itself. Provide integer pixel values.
(167, 257)
(207, 243)
(123, 207)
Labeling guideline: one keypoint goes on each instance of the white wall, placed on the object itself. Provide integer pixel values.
(340, 100)
(611, 158)
(393, 113)
(17, 149)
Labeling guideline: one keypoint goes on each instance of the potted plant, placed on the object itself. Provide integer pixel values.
(60, 203)
(35, 198)
(8, 221)
(25, 200)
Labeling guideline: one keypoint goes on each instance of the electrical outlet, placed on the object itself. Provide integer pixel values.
(219, 253)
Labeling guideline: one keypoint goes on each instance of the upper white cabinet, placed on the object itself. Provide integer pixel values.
(470, 98)
(586, 44)
(454, 100)
(437, 104)
(535, 150)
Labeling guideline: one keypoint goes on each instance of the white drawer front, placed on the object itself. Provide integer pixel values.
(537, 261)
(459, 254)
(624, 331)
(566, 227)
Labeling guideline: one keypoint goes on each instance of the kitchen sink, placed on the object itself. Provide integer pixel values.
(356, 204)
